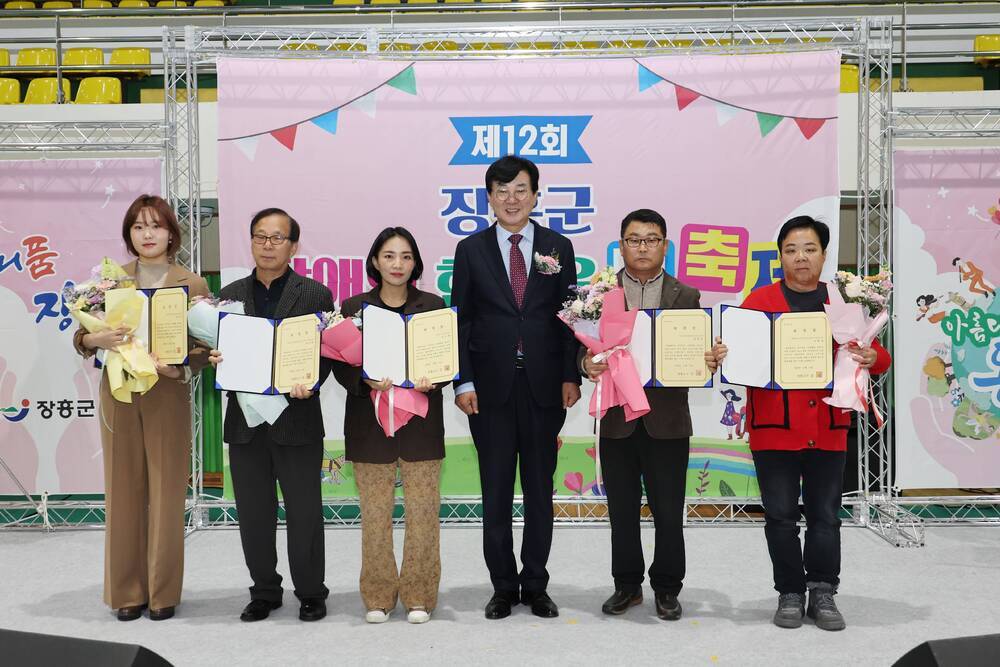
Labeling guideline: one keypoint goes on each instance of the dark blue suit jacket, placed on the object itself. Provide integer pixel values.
(490, 323)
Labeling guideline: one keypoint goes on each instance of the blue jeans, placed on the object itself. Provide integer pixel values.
(821, 474)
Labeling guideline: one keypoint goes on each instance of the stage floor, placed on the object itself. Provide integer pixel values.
(892, 599)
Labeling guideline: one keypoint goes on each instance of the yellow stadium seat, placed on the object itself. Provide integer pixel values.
(848, 78)
(43, 91)
(348, 2)
(387, 2)
(10, 91)
(209, 3)
(130, 56)
(986, 43)
(172, 3)
(57, 4)
(395, 46)
(36, 58)
(19, 4)
(83, 57)
(438, 45)
(96, 4)
(4, 58)
(347, 46)
(99, 90)
(134, 4)
(421, 2)
(300, 46)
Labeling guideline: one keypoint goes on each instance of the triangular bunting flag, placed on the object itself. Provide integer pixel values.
(366, 104)
(248, 146)
(685, 97)
(725, 113)
(286, 136)
(809, 126)
(767, 122)
(647, 78)
(328, 121)
(405, 81)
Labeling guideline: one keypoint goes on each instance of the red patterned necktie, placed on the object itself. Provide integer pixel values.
(518, 272)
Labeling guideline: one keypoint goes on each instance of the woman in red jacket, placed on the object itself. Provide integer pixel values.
(795, 436)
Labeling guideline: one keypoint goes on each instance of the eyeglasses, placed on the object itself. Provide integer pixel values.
(503, 194)
(275, 239)
(653, 242)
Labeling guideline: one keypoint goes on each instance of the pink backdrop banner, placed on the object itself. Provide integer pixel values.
(58, 219)
(947, 338)
(725, 147)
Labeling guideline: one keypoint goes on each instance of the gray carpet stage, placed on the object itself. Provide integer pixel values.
(892, 598)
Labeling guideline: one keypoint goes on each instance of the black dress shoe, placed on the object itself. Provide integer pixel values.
(541, 604)
(312, 609)
(161, 614)
(258, 610)
(499, 605)
(130, 613)
(620, 601)
(668, 607)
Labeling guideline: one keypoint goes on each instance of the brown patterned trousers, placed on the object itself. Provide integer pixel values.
(416, 583)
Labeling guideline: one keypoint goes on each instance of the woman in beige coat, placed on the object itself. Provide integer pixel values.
(147, 442)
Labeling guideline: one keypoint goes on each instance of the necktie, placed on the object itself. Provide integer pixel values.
(518, 272)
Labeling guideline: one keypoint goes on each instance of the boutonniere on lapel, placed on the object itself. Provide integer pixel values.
(547, 265)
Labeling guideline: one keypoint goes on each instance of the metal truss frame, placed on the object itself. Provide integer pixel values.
(866, 41)
(38, 140)
(939, 126)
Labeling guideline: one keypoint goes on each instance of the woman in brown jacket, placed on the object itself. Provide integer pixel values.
(416, 449)
(147, 442)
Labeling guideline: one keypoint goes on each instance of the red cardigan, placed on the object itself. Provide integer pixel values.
(796, 419)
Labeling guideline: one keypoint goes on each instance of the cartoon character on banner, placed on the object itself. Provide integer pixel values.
(968, 271)
(925, 304)
(333, 468)
(734, 420)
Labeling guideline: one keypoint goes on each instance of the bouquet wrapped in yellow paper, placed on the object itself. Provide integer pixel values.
(110, 301)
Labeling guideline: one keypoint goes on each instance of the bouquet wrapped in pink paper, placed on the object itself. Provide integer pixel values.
(340, 338)
(858, 311)
(600, 321)
(396, 407)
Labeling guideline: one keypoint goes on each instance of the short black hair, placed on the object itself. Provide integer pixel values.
(380, 240)
(293, 226)
(955, 261)
(506, 170)
(926, 299)
(805, 222)
(646, 215)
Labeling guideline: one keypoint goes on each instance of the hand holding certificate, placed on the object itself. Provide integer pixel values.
(265, 356)
(407, 348)
(669, 347)
(777, 350)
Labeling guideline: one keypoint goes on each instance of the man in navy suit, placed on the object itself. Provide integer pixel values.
(517, 376)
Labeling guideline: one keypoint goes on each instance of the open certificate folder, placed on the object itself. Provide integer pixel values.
(776, 350)
(265, 356)
(163, 322)
(668, 347)
(406, 348)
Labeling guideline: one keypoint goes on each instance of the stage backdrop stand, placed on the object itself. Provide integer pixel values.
(42, 140)
(939, 128)
(865, 42)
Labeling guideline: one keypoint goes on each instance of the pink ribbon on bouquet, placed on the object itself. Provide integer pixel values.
(620, 384)
(852, 383)
(342, 343)
(396, 407)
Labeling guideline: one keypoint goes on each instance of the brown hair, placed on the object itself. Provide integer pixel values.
(164, 217)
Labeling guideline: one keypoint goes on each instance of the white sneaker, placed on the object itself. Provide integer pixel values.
(418, 616)
(377, 616)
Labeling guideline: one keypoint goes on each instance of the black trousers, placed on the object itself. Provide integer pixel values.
(627, 465)
(822, 483)
(255, 467)
(519, 434)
